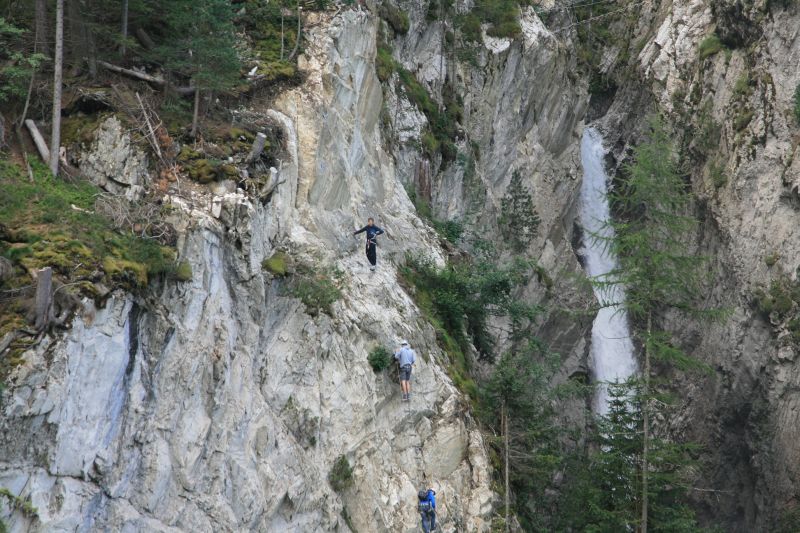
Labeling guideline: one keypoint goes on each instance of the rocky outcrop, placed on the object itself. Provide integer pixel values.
(114, 163)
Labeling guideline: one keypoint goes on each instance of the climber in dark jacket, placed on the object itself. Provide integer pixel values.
(372, 244)
(427, 509)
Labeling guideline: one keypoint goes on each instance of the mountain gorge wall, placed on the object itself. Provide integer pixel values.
(222, 403)
(731, 108)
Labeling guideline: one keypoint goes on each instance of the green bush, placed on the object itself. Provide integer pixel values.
(742, 85)
(470, 25)
(17, 503)
(380, 358)
(742, 120)
(709, 46)
(718, 176)
(450, 229)
(463, 296)
(341, 475)
(501, 15)
(772, 259)
(385, 64)
(780, 298)
(318, 289)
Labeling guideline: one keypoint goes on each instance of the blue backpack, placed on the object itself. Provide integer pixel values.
(424, 506)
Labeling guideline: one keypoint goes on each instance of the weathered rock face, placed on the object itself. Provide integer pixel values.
(735, 105)
(114, 163)
(220, 404)
(523, 111)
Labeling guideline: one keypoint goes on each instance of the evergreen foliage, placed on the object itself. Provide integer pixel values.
(605, 489)
(16, 67)
(379, 358)
(502, 17)
(516, 402)
(652, 234)
(659, 271)
(519, 221)
(200, 41)
(317, 288)
(709, 46)
(464, 296)
(341, 475)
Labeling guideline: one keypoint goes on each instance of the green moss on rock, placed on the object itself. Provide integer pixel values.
(276, 264)
(183, 272)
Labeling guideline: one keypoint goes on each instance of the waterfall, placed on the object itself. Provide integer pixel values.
(611, 356)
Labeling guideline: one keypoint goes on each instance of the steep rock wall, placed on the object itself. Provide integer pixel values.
(523, 110)
(220, 404)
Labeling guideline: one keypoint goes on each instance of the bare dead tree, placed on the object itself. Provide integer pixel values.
(55, 138)
(141, 217)
(44, 292)
(155, 80)
(299, 30)
(38, 140)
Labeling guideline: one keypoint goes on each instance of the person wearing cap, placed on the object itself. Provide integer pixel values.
(406, 358)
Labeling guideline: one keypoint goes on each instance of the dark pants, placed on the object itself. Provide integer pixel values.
(429, 522)
(372, 253)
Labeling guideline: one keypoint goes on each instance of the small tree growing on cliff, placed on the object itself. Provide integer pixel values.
(656, 265)
(519, 221)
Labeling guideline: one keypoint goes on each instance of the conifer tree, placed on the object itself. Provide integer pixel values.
(606, 494)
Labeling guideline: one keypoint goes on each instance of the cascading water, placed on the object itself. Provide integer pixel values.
(611, 355)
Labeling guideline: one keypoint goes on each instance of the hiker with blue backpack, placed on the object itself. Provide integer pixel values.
(427, 509)
(405, 357)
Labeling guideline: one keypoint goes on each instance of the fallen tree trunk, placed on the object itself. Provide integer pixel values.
(7, 339)
(132, 73)
(38, 140)
(155, 80)
(258, 147)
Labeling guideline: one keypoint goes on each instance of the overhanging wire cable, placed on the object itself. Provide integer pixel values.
(557, 30)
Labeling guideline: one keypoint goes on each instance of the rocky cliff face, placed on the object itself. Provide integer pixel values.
(523, 110)
(730, 102)
(221, 403)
